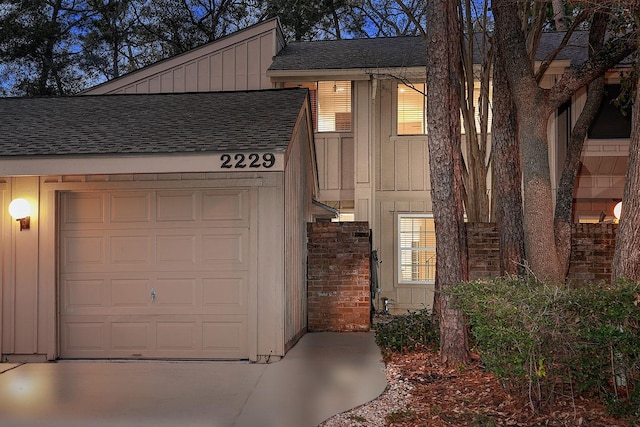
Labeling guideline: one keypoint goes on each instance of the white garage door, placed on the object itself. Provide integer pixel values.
(154, 274)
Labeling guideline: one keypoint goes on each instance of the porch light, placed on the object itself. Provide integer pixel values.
(20, 210)
(617, 210)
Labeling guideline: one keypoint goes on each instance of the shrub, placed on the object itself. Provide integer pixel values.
(542, 340)
(408, 332)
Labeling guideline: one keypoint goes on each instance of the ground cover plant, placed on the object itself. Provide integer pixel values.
(543, 355)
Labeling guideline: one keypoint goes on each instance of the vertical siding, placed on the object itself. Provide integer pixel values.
(402, 185)
(296, 211)
(20, 286)
(237, 62)
(335, 157)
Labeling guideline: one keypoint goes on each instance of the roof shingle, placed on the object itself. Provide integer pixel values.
(394, 52)
(149, 124)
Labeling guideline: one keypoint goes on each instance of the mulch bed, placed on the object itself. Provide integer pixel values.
(470, 396)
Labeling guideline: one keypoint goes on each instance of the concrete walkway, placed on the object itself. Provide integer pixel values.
(324, 374)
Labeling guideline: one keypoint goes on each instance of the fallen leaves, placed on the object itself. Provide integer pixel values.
(470, 396)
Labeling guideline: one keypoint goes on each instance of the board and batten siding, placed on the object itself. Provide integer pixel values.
(299, 186)
(235, 62)
(402, 185)
(335, 154)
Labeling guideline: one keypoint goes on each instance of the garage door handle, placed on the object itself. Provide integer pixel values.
(153, 294)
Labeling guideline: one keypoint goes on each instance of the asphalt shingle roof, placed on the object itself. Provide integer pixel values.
(384, 52)
(149, 124)
(392, 52)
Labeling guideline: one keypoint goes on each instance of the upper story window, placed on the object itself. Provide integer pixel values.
(330, 104)
(416, 249)
(334, 106)
(411, 109)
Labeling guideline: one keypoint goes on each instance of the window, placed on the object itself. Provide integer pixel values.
(330, 104)
(411, 109)
(334, 106)
(416, 249)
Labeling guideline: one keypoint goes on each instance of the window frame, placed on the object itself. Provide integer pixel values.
(409, 86)
(401, 250)
(317, 107)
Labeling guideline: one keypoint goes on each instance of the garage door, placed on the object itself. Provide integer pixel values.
(154, 274)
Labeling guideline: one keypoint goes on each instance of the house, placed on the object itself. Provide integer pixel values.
(220, 158)
(161, 225)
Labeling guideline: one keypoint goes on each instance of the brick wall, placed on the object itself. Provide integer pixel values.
(592, 250)
(484, 251)
(338, 276)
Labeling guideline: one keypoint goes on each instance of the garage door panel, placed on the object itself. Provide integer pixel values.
(156, 274)
(172, 335)
(176, 206)
(131, 337)
(176, 292)
(84, 336)
(82, 208)
(225, 206)
(176, 249)
(82, 251)
(225, 295)
(130, 207)
(130, 293)
(130, 250)
(223, 336)
(77, 294)
(226, 250)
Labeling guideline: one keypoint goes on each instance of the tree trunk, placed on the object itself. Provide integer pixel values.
(564, 194)
(558, 15)
(532, 109)
(626, 259)
(507, 174)
(445, 168)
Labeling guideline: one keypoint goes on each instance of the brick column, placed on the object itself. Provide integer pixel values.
(338, 293)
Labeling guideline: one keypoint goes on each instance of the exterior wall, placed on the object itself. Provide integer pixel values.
(401, 185)
(299, 187)
(29, 278)
(235, 62)
(339, 290)
(334, 151)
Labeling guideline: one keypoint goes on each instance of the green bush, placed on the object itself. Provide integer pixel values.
(542, 340)
(408, 332)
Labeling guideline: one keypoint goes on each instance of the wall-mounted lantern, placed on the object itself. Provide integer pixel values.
(617, 211)
(20, 210)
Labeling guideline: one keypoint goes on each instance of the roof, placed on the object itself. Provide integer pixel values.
(394, 52)
(383, 52)
(149, 124)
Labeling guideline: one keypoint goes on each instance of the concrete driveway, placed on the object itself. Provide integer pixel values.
(324, 374)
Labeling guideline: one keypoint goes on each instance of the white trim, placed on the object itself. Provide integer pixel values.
(122, 164)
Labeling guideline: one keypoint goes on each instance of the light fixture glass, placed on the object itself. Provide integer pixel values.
(617, 210)
(19, 208)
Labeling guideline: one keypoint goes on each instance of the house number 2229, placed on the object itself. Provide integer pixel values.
(252, 160)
